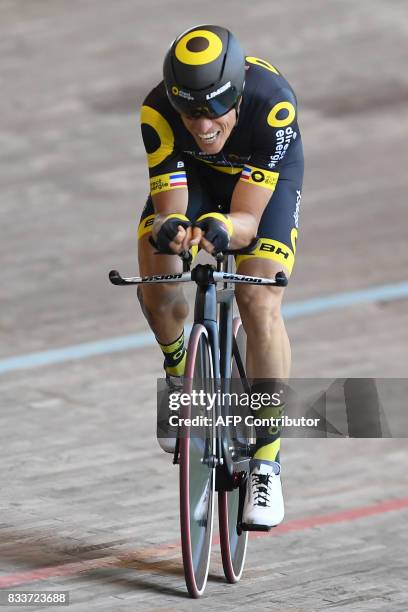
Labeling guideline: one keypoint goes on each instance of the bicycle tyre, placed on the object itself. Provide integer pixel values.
(197, 479)
(233, 544)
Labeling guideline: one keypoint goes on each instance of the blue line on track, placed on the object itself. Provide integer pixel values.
(141, 340)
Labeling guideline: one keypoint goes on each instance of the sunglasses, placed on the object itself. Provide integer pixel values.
(211, 109)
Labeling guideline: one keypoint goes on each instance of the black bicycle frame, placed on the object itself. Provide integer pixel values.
(222, 344)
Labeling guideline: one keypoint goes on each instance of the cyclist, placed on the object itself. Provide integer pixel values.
(225, 163)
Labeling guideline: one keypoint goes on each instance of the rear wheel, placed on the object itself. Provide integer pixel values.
(197, 473)
(233, 540)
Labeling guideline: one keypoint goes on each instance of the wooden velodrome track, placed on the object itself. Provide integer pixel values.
(88, 502)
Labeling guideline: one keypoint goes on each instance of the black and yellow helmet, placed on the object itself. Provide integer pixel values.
(204, 71)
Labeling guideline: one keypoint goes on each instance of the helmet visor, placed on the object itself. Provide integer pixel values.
(202, 107)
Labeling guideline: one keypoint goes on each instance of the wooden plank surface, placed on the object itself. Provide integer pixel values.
(87, 498)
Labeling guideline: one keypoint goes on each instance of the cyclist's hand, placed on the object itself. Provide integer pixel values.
(216, 230)
(182, 240)
(172, 233)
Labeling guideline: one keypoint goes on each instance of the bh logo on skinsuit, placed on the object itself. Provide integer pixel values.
(145, 226)
(270, 247)
(198, 47)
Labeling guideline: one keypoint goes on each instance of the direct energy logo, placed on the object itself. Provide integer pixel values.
(283, 140)
(182, 94)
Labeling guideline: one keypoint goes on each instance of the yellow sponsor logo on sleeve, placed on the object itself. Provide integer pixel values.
(260, 177)
(162, 183)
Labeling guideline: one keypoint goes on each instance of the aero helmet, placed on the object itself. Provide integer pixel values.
(204, 71)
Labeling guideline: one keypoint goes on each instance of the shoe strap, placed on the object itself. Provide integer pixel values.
(257, 463)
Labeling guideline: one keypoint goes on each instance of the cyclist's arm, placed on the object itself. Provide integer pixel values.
(168, 181)
(275, 128)
(169, 203)
(247, 206)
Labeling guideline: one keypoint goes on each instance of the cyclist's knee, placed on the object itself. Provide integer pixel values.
(142, 302)
(259, 306)
(159, 302)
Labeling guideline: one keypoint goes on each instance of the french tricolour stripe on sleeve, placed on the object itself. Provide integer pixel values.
(178, 179)
(246, 173)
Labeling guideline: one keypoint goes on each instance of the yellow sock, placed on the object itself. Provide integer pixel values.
(268, 438)
(174, 356)
(269, 452)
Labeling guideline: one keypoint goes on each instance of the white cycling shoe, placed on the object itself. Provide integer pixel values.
(168, 444)
(263, 506)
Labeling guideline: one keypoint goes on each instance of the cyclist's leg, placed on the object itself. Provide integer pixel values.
(164, 305)
(268, 344)
(268, 349)
(269, 353)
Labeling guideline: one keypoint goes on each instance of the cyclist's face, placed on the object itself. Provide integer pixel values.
(211, 134)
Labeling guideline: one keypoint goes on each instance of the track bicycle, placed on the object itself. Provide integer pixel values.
(211, 459)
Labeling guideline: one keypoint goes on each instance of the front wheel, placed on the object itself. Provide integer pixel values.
(197, 473)
(233, 541)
